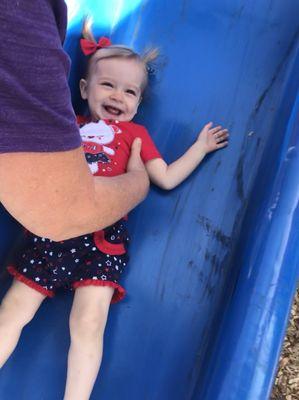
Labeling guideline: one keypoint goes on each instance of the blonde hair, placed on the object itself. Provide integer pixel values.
(119, 51)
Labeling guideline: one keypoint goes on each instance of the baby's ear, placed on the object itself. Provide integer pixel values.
(83, 88)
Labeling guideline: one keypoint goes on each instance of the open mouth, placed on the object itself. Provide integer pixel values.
(113, 110)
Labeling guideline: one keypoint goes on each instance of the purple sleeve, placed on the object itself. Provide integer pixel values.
(36, 113)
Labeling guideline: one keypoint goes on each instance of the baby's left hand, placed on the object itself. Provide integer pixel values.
(212, 139)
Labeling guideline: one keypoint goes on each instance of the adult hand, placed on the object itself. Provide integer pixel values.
(136, 166)
(135, 163)
(56, 203)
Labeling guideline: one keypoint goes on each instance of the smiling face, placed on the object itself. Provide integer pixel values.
(113, 88)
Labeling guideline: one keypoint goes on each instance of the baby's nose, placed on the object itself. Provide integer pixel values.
(117, 95)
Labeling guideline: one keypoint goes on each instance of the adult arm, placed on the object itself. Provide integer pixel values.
(54, 195)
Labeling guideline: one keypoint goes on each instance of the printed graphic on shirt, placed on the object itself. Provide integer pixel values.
(96, 137)
(107, 145)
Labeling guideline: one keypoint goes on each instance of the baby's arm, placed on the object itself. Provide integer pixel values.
(169, 176)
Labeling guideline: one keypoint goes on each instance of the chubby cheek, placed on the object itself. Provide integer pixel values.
(134, 107)
(96, 100)
(132, 112)
(96, 96)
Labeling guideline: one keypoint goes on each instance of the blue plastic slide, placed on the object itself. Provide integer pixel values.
(215, 262)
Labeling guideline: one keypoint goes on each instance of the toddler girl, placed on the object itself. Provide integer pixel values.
(91, 264)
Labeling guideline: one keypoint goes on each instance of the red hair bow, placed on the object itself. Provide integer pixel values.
(88, 47)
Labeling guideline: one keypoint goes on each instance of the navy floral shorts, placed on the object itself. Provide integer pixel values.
(95, 259)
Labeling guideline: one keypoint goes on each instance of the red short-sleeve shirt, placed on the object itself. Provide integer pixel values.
(107, 145)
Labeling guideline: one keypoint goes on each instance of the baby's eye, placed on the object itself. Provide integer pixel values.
(132, 92)
(108, 84)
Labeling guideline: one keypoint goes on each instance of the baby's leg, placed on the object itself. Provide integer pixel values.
(17, 308)
(87, 324)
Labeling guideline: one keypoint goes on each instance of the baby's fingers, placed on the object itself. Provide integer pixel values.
(215, 129)
(222, 144)
(208, 127)
(221, 135)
